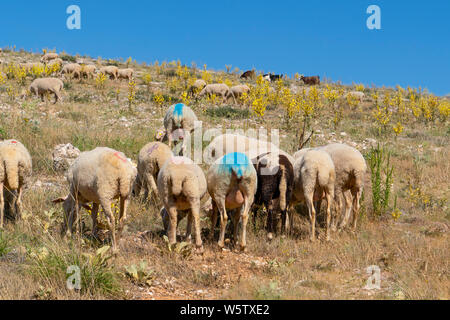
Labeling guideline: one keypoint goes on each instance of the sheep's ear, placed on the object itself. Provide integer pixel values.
(59, 200)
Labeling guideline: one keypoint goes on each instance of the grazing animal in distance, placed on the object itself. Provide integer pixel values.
(314, 80)
(250, 74)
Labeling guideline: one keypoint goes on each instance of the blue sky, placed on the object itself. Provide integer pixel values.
(321, 37)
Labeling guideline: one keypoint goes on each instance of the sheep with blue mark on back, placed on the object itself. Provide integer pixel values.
(179, 117)
(232, 183)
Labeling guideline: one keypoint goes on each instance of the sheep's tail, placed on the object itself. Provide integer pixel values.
(323, 177)
(12, 173)
(125, 187)
(286, 181)
(177, 185)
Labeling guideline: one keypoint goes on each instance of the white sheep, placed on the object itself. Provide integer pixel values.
(49, 56)
(88, 71)
(72, 69)
(15, 172)
(126, 74)
(111, 71)
(314, 180)
(228, 143)
(54, 62)
(350, 169)
(357, 94)
(218, 89)
(179, 117)
(238, 91)
(181, 187)
(196, 87)
(42, 86)
(151, 159)
(99, 176)
(232, 183)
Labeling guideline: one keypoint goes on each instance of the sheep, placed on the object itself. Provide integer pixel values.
(151, 159)
(43, 86)
(238, 91)
(229, 143)
(179, 117)
(126, 74)
(99, 176)
(275, 183)
(314, 80)
(314, 179)
(232, 184)
(49, 56)
(15, 173)
(55, 61)
(72, 69)
(350, 169)
(111, 71)
(181, 187)
(88, 71)
(357, 94)
(218, 89)
(196, 87)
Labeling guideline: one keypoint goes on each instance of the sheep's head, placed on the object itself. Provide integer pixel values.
(160, 134)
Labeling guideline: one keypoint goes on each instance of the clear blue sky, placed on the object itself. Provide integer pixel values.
(321, 37)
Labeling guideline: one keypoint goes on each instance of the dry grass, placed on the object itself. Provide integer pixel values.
(412, 252)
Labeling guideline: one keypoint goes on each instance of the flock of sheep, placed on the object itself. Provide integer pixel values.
(244, 174)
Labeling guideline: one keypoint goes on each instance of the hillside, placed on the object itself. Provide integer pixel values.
(408, 238)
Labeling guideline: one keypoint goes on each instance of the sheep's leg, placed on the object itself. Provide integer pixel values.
(356, 206)
(329, 201)
(283, 221)
(173, 222)
(2, 206)
(19, 203)
(223, 221)
(106, 204)
(235, 218)
(348, 209)
(337, 209)
(153, 187)
(189, 228)
(255, 216)
(214, 217)
(94, 215)
(312, 216)
(270, 220)
(244, 215)
(123, 213)
(195, 214)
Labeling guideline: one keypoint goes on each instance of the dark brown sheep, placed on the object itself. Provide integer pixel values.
(315, 80)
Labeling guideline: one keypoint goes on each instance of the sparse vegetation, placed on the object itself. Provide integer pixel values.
(404, 230)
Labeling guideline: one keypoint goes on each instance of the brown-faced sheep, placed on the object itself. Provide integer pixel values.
(15, 172)
(232, 183)
(42, 86)
(275, 183)
(126, 74)
(182, 186)
(151, 159)
(99, 176)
